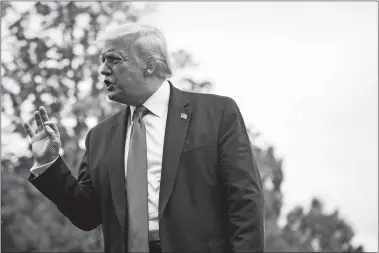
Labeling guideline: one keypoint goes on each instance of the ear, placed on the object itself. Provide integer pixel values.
(150, 68)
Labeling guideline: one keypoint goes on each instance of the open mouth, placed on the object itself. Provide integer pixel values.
(109, 85)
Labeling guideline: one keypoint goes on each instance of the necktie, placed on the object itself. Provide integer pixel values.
(136, 185)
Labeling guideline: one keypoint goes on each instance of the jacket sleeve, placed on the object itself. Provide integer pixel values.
(75, 198)
(38, 170)
(241, 182)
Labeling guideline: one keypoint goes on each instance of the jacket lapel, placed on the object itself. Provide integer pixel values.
(116, 164)
(178, 118)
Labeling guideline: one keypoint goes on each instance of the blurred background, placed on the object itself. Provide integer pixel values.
(305, 76)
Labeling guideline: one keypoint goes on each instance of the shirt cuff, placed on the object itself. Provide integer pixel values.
(38, 170)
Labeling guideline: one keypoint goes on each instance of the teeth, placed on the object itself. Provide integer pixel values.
(109, 86)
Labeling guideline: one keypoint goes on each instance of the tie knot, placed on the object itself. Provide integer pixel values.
(140, 111)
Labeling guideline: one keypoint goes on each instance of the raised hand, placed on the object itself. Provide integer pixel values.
(45, 140)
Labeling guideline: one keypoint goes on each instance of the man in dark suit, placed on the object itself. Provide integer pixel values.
(172, 171)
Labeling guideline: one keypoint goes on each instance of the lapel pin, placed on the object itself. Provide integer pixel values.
(183, 116)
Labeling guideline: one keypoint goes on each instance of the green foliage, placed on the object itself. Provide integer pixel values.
(49, 58)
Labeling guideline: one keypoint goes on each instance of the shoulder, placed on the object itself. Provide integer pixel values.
(212, 104)
(210, 100)
(109, 120)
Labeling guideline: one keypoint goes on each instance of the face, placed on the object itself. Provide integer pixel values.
(124, 79)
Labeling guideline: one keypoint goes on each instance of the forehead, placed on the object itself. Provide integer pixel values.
(117, 44)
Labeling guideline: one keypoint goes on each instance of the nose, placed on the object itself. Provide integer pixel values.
(105, 70)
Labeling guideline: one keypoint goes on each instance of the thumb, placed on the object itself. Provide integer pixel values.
(50, 131)
(52, 126)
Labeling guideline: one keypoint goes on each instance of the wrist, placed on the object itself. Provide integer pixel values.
(44, 161)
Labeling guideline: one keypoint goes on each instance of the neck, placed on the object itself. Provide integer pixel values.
(152, 84)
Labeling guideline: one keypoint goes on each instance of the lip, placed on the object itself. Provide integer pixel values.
(109, 85)
(108, 82)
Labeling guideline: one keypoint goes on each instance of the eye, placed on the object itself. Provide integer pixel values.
(115, 61)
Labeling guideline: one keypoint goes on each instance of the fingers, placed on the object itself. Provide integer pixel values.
(43, 114)
(51, 126)
(50, 131)
(42, 120)
(28, 129)
(38, 121)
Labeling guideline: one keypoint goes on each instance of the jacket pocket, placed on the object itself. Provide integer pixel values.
(203, 147)
(217, 245)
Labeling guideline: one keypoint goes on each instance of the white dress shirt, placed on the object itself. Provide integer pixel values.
(155, 123)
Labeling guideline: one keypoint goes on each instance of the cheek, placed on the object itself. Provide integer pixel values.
(127, 74)
(134, 73)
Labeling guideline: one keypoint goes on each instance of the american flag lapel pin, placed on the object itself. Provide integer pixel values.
(183, 116)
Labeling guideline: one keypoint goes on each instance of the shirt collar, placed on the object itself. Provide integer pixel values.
(158, 102)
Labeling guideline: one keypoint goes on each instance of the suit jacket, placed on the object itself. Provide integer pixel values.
(211, 196)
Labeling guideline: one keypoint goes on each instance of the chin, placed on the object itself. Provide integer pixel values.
(114, 96)
(119, 97)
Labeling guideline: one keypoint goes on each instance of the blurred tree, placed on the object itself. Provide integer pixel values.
(318, 231)
(314, 231)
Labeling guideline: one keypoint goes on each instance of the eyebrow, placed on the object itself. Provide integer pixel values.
(110, 54)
